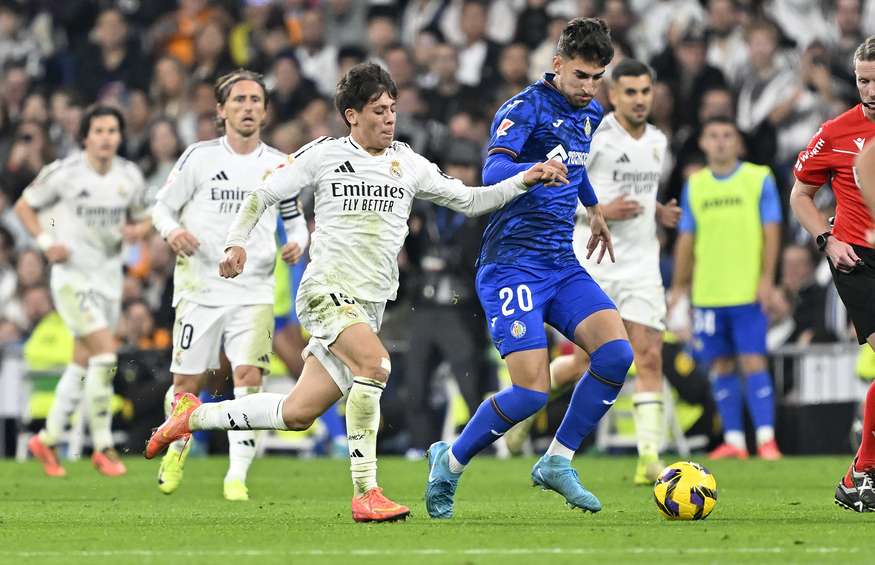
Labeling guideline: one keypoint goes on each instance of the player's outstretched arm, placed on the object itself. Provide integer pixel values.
(600, 236)
(232, 264)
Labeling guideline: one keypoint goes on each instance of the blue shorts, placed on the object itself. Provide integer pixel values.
(729, 331)
(519, 300)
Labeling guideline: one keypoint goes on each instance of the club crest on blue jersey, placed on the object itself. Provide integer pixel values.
(587, 127)
(517, 329)
(395, 170)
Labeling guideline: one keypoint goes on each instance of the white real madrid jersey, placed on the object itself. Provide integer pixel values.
(206, 188)
(86, 211)
(362, 204)
(620, 164)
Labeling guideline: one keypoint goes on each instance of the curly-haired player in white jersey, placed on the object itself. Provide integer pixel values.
(193, 212)
(364, 188)
(97, 201)
(625, 166)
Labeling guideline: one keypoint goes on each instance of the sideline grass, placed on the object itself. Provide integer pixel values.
(767, 512)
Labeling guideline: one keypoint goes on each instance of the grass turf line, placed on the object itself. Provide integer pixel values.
(767, 512)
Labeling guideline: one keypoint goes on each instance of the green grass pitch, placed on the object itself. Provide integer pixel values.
(767, 512)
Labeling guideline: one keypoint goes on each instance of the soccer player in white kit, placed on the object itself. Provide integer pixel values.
(193, 212)
(93, 201)
(625, 165)
(364, 188)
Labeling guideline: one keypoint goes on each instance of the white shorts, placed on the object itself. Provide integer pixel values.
(84, 309)
(640, 303)
(200, 332)
(325, 311)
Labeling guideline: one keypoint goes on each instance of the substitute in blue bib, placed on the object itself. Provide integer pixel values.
(529, 275)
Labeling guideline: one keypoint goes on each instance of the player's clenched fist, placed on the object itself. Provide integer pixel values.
(291, 253)
(550, 173)
(232, 264)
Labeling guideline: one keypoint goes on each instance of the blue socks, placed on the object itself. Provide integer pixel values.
(728, 397)
(496, 415)
(761, 399)
(596, 392)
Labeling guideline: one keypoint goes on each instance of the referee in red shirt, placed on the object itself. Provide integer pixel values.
(830, 158)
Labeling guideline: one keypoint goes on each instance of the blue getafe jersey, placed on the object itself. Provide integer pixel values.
(536, 125)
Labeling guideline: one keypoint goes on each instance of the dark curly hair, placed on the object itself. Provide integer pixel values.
(588, 39)
(362, 84)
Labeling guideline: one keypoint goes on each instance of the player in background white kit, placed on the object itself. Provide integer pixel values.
(96, 201)
(364, 188)
(193, 212)
(625, 165)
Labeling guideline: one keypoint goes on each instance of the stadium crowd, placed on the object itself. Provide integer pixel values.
(780, 68)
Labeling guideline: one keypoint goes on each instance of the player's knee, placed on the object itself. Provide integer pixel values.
(518, 403)
(377, 367)
(612, 360)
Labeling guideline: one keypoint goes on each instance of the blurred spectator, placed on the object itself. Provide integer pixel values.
(399, 62)
(49, 343)
(541, 58)
(8, 280)
(30, 269)
(345, 20)
(158, 283)
(289, 137)
(65, 109)
(174, 33)
(727, 49)
(111, 57)
(807, 298)
(165, 147)
(289, 91)
(9, 221)
(138, 114)
(775, 109)
(803, 21)
(169, 93)
(501, 20)
(845, 35)
(513, 72)
(382, 29)
(14, 86)
(35, 109)
(653, 33)
(16, 42)
(420, 15)
(448, 95)
(137, 331)
(211, 56)
(30, 152)
(247, 38)
(478, 56)
(293, 17)
(317, 56)
(531, 26)
(684, 67)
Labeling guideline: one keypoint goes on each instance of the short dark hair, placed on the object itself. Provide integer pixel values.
(866, 50)
(96, 111)
(725, 120)
(360, 85)
(631, 68)
(587, 38)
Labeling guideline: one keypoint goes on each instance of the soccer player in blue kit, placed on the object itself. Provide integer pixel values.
(528, 274)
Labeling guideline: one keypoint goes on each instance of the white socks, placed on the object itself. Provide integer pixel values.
(262, 411)
(68, 395)
(362, 422)
(242, 444)
(649, 416)
(98, 393)
(557, 448)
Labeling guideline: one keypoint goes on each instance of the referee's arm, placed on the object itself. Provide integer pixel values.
(840, 253)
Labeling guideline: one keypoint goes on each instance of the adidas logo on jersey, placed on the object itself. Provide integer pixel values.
(346, 167)
(623, 159)
(220, 176)
(83, 194)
